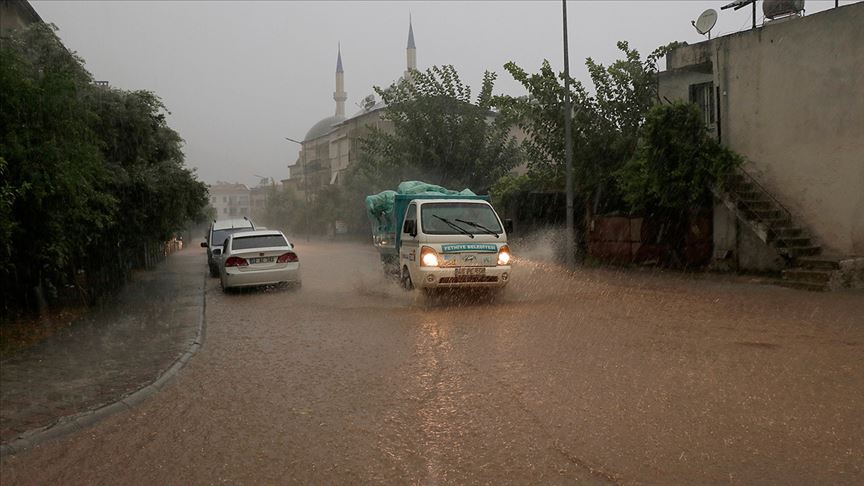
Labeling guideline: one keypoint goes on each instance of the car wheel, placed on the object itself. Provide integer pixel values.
(407, 284)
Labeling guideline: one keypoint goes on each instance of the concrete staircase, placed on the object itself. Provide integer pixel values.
(811, 273)
(755, 207)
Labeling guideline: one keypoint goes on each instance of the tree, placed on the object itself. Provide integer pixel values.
(54, 178)
(605, 125)
(92, 176)
(676, 163)
(283, 209)
(439, 134)
(674, 168)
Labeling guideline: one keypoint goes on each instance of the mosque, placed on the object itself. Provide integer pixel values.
(331, 145)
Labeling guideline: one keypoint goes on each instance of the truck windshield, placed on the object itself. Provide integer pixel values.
(482, 216)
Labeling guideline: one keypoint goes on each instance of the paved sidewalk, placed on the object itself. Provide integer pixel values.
(108, 354)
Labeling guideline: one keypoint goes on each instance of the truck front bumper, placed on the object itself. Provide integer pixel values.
(445, 277)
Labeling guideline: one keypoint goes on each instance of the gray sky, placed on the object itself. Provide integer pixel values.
(239, 76)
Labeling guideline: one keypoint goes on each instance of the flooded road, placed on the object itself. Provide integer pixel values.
(595, 377)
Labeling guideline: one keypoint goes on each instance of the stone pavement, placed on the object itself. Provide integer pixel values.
(108, 354)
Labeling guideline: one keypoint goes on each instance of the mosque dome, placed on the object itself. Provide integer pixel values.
(323, 127)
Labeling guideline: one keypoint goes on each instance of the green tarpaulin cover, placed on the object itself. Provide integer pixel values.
(379, 206)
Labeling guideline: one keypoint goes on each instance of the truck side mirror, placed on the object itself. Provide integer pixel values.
(203, 244)
(508, 226)
(410, 227)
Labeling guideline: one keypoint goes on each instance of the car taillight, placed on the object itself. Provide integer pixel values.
(289, 257)
(236, 262)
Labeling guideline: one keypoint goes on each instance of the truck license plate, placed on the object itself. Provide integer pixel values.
(470, 271)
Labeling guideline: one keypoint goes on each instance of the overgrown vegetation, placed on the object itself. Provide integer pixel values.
(440, 134)
(93, 179)
(675, 163)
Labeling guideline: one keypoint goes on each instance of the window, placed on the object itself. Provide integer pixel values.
(222, 235)
(224, 210)
(702, 95)
(459, 218)
(410, 215)
(224, 199)
(261, 241)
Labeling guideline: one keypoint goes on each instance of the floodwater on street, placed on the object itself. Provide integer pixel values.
(599, 376)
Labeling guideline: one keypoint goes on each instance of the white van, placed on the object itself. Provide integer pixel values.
(447, 242)
(216, 236)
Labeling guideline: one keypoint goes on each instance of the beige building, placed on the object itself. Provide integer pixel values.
(230, 200)
(332, 144)
(789, 97)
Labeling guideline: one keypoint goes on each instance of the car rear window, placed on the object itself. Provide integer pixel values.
(260, 241)
(219, 236)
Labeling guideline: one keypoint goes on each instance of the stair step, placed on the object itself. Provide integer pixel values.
(776, 222)
(813, 287)
(766, 214)
(798, 251)
(816, 262)
(756, 204)
(792, 241)
(787, 231)
(811, 276)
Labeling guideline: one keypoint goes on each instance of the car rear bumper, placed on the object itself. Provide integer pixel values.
(437, 278)
(246, 277)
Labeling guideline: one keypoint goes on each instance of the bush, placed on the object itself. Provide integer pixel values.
(676, 163)
(93, 179)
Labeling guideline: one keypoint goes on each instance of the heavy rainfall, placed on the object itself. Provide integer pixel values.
(432, 242)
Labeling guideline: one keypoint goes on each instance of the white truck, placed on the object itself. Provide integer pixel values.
(435, 240)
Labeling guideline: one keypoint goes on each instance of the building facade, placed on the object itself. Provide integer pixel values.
(332, 144)
(230, 200)
(789, 97)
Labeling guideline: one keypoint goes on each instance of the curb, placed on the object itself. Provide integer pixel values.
(80, 421)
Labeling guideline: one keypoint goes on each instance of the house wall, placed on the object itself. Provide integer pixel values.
(791, 102)
(794, 105)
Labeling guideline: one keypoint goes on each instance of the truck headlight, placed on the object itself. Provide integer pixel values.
(428, 257)
(504, 255)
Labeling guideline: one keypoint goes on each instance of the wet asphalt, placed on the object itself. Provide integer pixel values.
(592, 377)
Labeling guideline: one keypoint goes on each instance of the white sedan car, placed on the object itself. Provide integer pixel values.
(252, 258)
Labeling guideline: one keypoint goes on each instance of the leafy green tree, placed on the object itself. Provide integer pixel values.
(440, 134)
(283, 210)
(605, 125)
(59, 204)
(674, 168)
(157, 194)
(91, 176)
(676, 163)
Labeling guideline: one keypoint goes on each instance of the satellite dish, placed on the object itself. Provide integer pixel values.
(368, 102)
(706, 22)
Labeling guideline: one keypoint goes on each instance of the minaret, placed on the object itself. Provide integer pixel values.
(340, 95)
(411, 51)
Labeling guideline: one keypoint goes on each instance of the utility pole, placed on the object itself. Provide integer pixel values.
(305, 189)
(570, 238)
